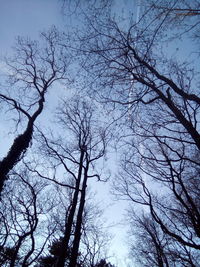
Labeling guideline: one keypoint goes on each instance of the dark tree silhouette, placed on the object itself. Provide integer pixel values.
(21, 209)
(158, 95)
(152, 247)
(90, 140)
(86, 145)
(34, 70)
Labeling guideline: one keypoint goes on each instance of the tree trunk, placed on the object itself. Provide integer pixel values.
(77, 235)
(20, 144)
(68, 227)
(19, 147)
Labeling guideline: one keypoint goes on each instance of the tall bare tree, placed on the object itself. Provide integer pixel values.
(76, 160)
(133, 72)
(32, 71)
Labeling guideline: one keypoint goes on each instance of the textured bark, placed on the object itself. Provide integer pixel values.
(20, 145)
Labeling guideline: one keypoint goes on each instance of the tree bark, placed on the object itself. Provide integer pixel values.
(20, 144)
(19, 147)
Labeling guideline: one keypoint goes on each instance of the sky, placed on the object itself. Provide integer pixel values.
(28, 18)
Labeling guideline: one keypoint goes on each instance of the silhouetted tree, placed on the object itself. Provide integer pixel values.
(134, 73)
(22, 209)
(33, 70)
(87, 141)
(95, 238)
(93, 245)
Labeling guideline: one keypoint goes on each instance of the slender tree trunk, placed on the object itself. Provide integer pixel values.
(25, 264)
(68, 226)
(77, 235)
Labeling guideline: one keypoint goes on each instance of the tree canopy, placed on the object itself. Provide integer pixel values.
(135, 80)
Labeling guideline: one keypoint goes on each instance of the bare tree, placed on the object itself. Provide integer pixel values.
(87, 141)
(93, 245)
(95, 238)
(182, 14)
(25, 211)
(151, 246)
(160, 162)
(169, 187)
(33, 70)
(124, 65)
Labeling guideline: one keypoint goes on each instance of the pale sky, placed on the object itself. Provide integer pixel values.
(27, 18)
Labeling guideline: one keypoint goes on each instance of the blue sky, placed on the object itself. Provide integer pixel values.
(26, 17)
